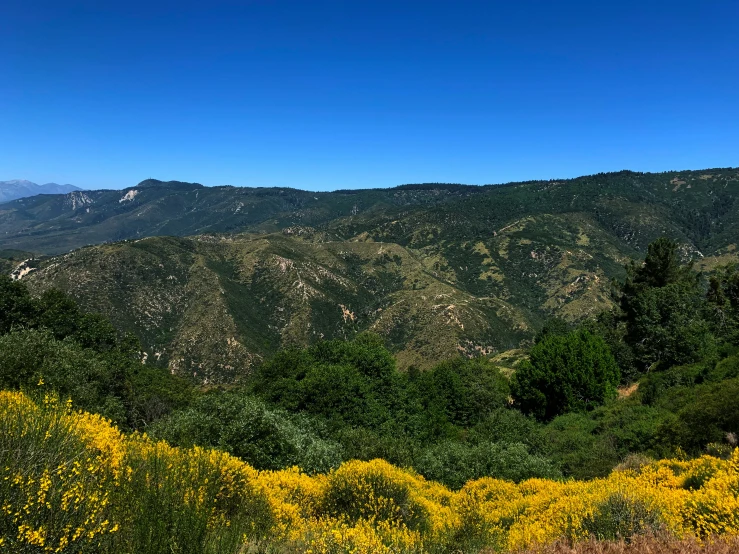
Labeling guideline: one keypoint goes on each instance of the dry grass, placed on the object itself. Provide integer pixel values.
(625, 392)
(644, 545)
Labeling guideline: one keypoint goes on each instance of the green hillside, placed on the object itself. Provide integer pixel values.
(434, 269)
(213, 306)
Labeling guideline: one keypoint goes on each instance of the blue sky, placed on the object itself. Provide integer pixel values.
(323, 95)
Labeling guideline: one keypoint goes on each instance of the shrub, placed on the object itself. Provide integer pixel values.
(17, 308)
(189, 501)
(620, 517)
(630, 426)
(728, 368)
(72, 482)
(574, 372)
(508, 426)
(454, 463)
(360, 443)
(463, 391)
(705, 414)
(655, 384)
(572, 443)
(54, 485)
(29, 357)
(244, 426)
(634, 462)
(346, 382)
(374, 491)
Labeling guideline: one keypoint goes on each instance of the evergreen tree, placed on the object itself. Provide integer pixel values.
(662, 306)
(565, 373)
(17, 307)
(723, 303)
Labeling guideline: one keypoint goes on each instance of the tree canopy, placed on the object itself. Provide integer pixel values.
(565, 373)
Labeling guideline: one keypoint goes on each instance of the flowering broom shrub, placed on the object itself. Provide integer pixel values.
(71, 482)
(54, 486)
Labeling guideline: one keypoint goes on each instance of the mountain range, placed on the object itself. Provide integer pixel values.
(20, 188)
(215, 279)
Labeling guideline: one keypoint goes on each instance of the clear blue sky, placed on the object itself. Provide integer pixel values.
(323, 95)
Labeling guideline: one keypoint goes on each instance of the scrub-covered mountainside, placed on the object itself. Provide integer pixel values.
(434, 269)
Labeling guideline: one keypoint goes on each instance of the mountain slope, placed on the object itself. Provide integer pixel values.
(55, 224)
(213, 306)
(698, 206)
(434, 269)
(20, 188)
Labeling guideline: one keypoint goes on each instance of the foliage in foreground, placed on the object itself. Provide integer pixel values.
(71, 482)
(643, 545)
(346, 399)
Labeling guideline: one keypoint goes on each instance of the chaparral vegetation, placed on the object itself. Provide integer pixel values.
(72, 482)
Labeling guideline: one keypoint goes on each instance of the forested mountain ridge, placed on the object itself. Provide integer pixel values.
(434, 269)
(55, 224)
(695, 204)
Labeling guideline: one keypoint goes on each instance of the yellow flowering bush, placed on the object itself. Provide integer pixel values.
(294, 498)
(72, 482)
(54, 485)
(713, 509)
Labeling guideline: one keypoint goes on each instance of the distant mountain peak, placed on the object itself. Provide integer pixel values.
(22, 188)
(17, 182)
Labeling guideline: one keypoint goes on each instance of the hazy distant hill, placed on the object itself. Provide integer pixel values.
(435, 269)
(19, 188)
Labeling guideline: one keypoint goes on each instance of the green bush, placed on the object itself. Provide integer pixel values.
(17, 308)
(609, 324)
(29, 358)
(345, 382)
(341, 394)
(571, 373)
(708, 413)
(155, 393)
(723, 301)
(620, 517)
(630, 426)
(454, 463)
(572, 442)
(508, 426)
(266, 438)
(463, 391)
(655, 384)
(728, 368)
(81, 356)
(361, 443)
